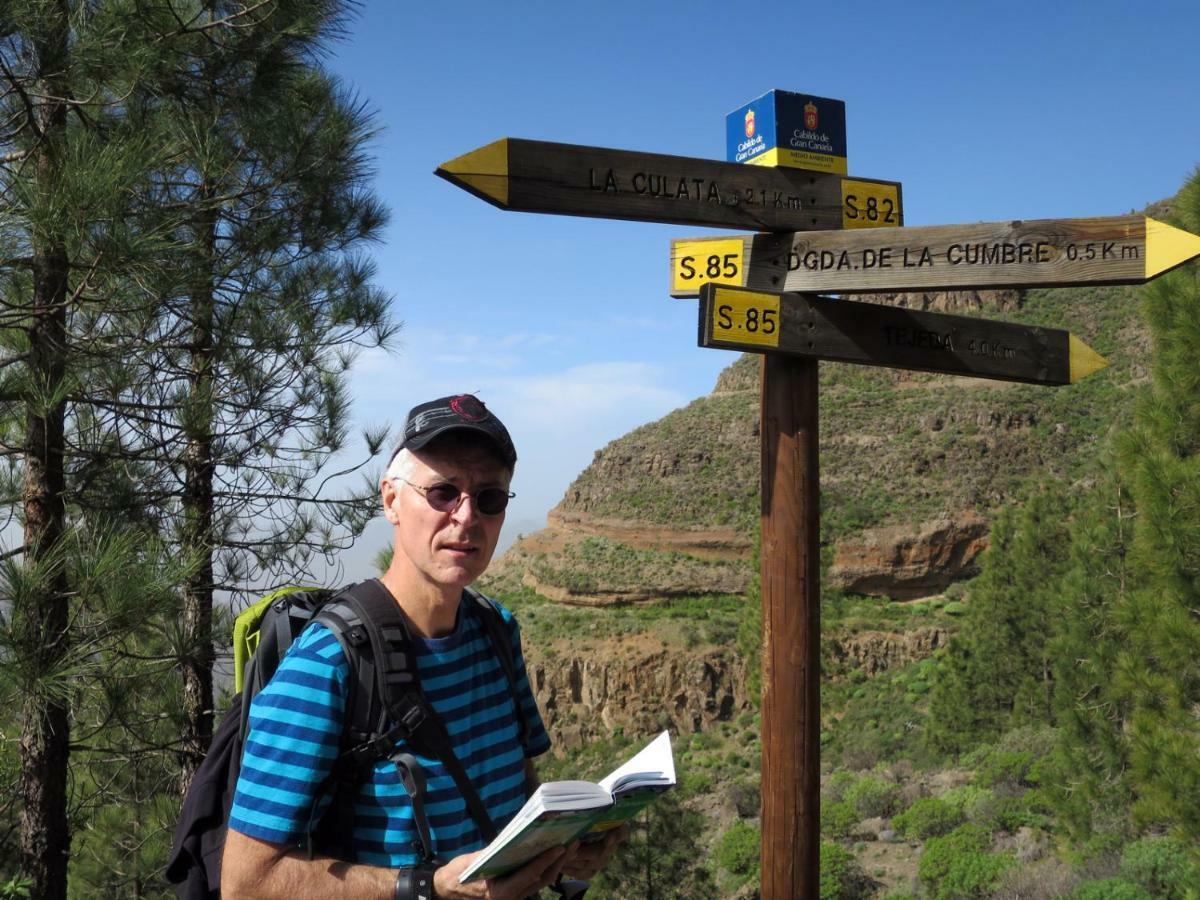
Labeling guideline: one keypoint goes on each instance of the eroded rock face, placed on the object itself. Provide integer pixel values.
(878, 651)
(590, 693)
(905, 563)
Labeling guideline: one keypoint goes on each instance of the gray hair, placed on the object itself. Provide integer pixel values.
(402, 465)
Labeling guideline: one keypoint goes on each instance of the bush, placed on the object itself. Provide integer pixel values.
(959, 866)
(842, 878)
(835, 789)
(972, 803)
(1012, 813)
(1162, 866)
(1110, 889)
(872, 797)
(1007, 767)
(928, 817)
(837, 819)
(738, 849)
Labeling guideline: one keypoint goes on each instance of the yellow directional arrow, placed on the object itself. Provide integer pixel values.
(1083, 359)
(1168, 247)
(573, 180)
(811, 326)
(1022, 253)
(483, 172)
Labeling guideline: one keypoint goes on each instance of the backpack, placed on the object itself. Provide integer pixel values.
(384, 705)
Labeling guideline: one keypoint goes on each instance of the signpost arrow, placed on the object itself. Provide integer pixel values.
(1115, 250)
(846, 331)
(538, 176)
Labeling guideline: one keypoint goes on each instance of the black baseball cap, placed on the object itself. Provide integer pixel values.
(465, 412)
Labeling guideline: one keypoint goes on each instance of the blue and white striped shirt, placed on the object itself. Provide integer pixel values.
(296, 723)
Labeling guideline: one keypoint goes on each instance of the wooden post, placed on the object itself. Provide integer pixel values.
(791, 606)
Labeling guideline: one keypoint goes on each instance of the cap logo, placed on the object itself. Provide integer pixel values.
(469, 408)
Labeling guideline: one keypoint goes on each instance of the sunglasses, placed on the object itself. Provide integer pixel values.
(445, 497)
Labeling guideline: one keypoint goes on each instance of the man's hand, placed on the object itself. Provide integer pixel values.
(542, 871)
(586, 861)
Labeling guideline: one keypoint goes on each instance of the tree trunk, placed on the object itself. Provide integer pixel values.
(45, 840)
(198, 538)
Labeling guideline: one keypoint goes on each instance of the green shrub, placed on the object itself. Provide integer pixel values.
(1110, 889)
(840, 782)
(738, 849)
(837, 819)
(1011, 813)
(842, 878)
(972, 802)
(1162, 865)
(872, 797)
(954, 608)
(974, 875)
(16, 888)
(959, 866)
(928, 817)
(1007, 767)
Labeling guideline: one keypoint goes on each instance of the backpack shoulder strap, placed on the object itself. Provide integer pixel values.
(500, 634)
(410, 716)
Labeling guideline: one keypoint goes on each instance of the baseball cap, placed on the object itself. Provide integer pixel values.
(427, 421)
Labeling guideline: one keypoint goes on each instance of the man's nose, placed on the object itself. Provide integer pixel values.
(465, 512)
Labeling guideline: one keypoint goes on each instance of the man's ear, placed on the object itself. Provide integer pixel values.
(387, 495)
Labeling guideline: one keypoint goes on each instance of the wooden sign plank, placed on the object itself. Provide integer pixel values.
(847, 331)
(567, 179)
(1114, 250)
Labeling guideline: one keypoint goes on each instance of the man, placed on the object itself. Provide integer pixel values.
(445, 492)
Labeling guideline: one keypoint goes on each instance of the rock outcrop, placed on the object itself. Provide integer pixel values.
(640, 686)
(874, 652)
(901, 562)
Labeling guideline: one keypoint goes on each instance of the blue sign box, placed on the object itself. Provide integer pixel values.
(782, 128)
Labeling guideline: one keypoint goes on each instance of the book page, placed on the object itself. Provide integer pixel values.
(653, 766)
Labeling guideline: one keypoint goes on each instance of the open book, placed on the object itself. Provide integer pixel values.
(561, 811)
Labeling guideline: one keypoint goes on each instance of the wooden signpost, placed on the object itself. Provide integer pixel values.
(840, 235)
(844, 331)
(567, 179)
(1116, 250)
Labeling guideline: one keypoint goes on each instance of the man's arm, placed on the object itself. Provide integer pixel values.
(259, 870)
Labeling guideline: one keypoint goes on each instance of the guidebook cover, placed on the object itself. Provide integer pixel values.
(561, 811)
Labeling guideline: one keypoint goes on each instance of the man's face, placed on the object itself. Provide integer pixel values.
(445, 549)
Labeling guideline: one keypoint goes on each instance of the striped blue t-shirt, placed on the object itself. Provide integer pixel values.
(296, 723)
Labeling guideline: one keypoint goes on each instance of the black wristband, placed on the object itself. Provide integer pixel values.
(415, 882)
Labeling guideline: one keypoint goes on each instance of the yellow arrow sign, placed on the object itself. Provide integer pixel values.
(568, 179)
(1113, 250)
(843, 330)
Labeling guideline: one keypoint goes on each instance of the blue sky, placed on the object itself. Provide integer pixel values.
(983, 111)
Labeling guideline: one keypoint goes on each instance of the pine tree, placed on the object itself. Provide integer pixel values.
(997, 673)
(1089, 789)
(1156, 671)
(660, 860)
(1128, 675)
(71, 167)
(238, 401)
